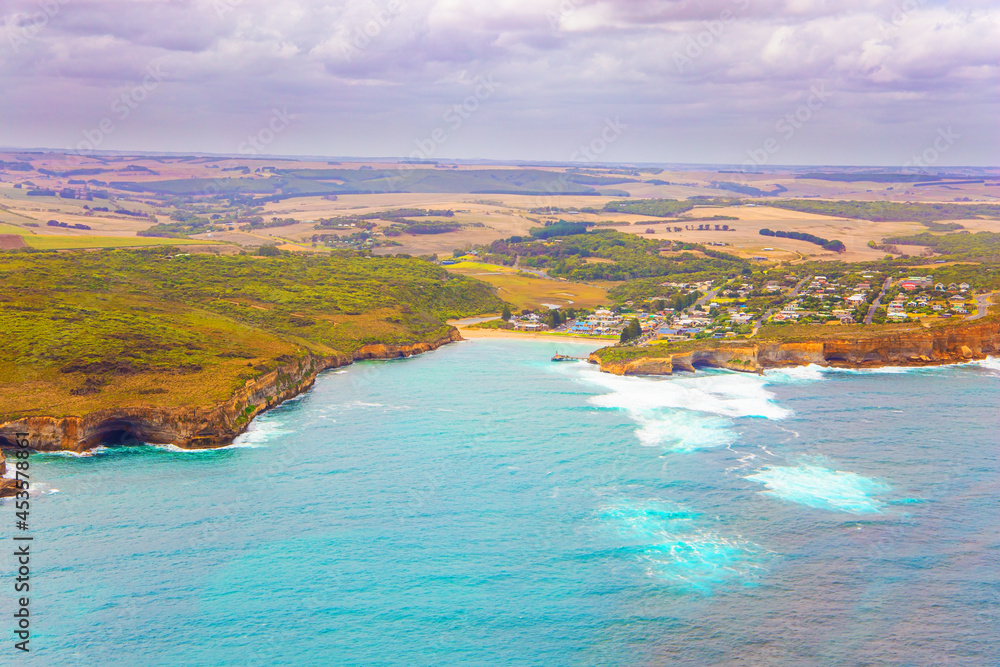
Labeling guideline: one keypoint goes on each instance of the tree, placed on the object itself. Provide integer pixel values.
(505, 315)
(631, 331)
(268, 251)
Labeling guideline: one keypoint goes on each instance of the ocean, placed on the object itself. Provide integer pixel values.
(481, 505)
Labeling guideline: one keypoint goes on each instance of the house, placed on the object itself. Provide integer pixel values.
(856, 299)
(917, 282)
(939, 287)
(956, 298)
(964, 287)
(961, 310)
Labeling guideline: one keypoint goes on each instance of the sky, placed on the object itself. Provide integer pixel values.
(898, 83)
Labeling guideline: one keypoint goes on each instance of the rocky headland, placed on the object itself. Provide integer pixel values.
(924, 347)
(196, 427)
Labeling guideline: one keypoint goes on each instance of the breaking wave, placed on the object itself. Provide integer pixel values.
(670, 543)
(816, 486)
(685, 413)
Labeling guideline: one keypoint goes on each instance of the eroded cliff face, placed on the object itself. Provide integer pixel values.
(8, 487)
(195, 427)
(915, 348)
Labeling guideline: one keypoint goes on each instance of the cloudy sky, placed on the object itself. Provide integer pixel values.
(730, 81)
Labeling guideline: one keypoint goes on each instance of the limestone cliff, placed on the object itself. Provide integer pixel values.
(946, 345)
(8, 487)
(196, 427)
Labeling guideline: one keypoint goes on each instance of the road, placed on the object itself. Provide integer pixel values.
(705, 299)
(984, 303)
(538, 273)
(770, 311)
(651, 336)
(877, 301)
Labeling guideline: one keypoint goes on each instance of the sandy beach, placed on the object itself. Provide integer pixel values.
(469, 333)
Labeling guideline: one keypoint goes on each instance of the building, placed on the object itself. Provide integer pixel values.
(919, 282)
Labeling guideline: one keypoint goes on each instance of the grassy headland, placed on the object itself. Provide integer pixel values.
(82, 331)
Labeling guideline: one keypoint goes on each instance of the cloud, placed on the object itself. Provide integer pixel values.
(697, 81)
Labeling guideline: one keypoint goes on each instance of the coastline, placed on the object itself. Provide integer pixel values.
(199, 427)
(950, 345)
(212, 427)
(527, 335)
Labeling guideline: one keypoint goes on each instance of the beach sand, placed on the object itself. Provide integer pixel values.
(470, 334)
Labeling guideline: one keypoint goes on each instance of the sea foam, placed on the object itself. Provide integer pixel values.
(820, 487)
(685, 413)
(670, 542)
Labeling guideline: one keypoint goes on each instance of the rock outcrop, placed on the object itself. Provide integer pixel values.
(8, 487)
(196, 427)
(910, 348)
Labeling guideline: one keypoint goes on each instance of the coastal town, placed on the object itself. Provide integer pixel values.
(738, 308)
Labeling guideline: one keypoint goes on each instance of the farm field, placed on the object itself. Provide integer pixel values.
(82, 242)
(524, 291)
(141, 191)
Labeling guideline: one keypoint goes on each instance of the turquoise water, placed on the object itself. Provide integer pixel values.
(482, 505)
